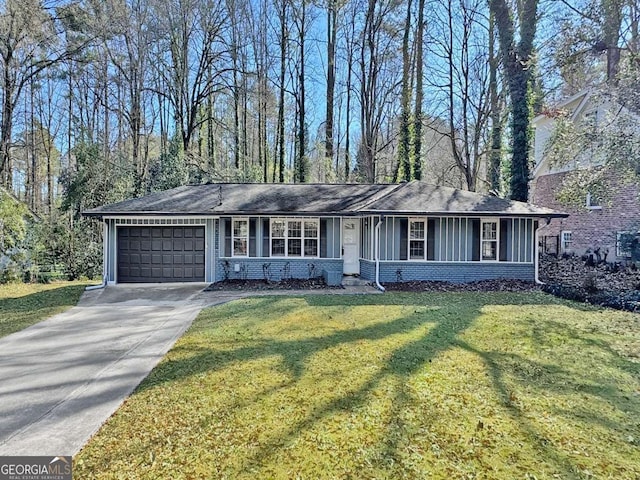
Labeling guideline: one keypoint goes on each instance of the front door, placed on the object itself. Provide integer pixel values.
(351, 246)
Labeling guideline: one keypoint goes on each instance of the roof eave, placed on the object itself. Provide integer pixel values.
(468, 214)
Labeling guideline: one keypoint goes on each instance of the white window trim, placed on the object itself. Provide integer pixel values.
(233, 236)
(302, 238)
(588, 203)
(423, 239)
(563, 242)
(497, 239)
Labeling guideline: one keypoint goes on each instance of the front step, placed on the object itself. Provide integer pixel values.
(351, 281)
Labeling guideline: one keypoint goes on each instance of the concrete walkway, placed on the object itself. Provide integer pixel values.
(62, 378)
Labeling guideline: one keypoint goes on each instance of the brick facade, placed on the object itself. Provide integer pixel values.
(590, 228)
(455, 272)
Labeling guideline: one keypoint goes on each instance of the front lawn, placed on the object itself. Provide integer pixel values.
(452, 385)
(23, 304)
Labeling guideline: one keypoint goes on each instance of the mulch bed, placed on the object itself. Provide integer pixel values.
(605, 284)
(500, 285)
(610, 285)
(288, 284)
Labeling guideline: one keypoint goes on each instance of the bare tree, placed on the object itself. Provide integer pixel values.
(31, 40)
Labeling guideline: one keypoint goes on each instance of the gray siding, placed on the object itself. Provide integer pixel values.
(445, 271)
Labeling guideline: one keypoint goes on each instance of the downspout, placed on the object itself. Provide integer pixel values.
(537, 253)
(377, 253)
(105, 242)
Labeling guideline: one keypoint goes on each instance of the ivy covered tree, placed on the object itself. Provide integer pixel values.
(517, 58)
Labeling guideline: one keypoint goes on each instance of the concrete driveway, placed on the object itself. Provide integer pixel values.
(62, 378)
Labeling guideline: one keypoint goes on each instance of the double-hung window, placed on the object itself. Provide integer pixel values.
(311, 232)
(295, 237)
(240, 240)
(417, 235)
(566, 241)
(489, 241)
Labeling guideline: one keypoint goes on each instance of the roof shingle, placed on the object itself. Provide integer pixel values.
(317, 199)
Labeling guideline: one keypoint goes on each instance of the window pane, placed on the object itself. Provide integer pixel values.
(489, 250)
(295, 247)
(277, 229)
(295, 229)
(277, 247)
(240, 228)
(489, 230)
(311, 248)
(416, 230)
(416, 249)
(310, 229)
(240, 246)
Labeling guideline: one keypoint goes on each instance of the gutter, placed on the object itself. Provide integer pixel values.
(377, 253)
(104, 261)
(537, 253)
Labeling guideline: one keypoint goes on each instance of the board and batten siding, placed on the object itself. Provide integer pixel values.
(449, 239)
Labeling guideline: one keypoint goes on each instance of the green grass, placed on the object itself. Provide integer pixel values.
(23, 304)
(457, 385)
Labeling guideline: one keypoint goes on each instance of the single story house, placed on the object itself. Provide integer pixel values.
(381, 232)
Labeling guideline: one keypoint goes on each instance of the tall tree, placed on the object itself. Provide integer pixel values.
(517, 60)
(31, 40)
(495, 155)
(332, 34)
(404, 147)
(417, 116)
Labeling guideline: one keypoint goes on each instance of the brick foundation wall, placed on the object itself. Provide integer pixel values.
(590, 228)
(446, 271)
(275, 269)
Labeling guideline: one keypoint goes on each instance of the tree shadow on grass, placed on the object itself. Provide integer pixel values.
(511, 373)
(17, 313)
(446, 322)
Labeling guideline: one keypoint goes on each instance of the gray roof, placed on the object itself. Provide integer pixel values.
(317, 199)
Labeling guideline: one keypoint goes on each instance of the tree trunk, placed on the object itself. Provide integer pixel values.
(417, 145)
(496, 123)
(404, 157)
(283, 57)
(517, 59)
(331, 77)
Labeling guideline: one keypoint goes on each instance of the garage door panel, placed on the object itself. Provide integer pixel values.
(161, 254)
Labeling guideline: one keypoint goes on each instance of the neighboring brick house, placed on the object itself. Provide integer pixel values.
(595, 225)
